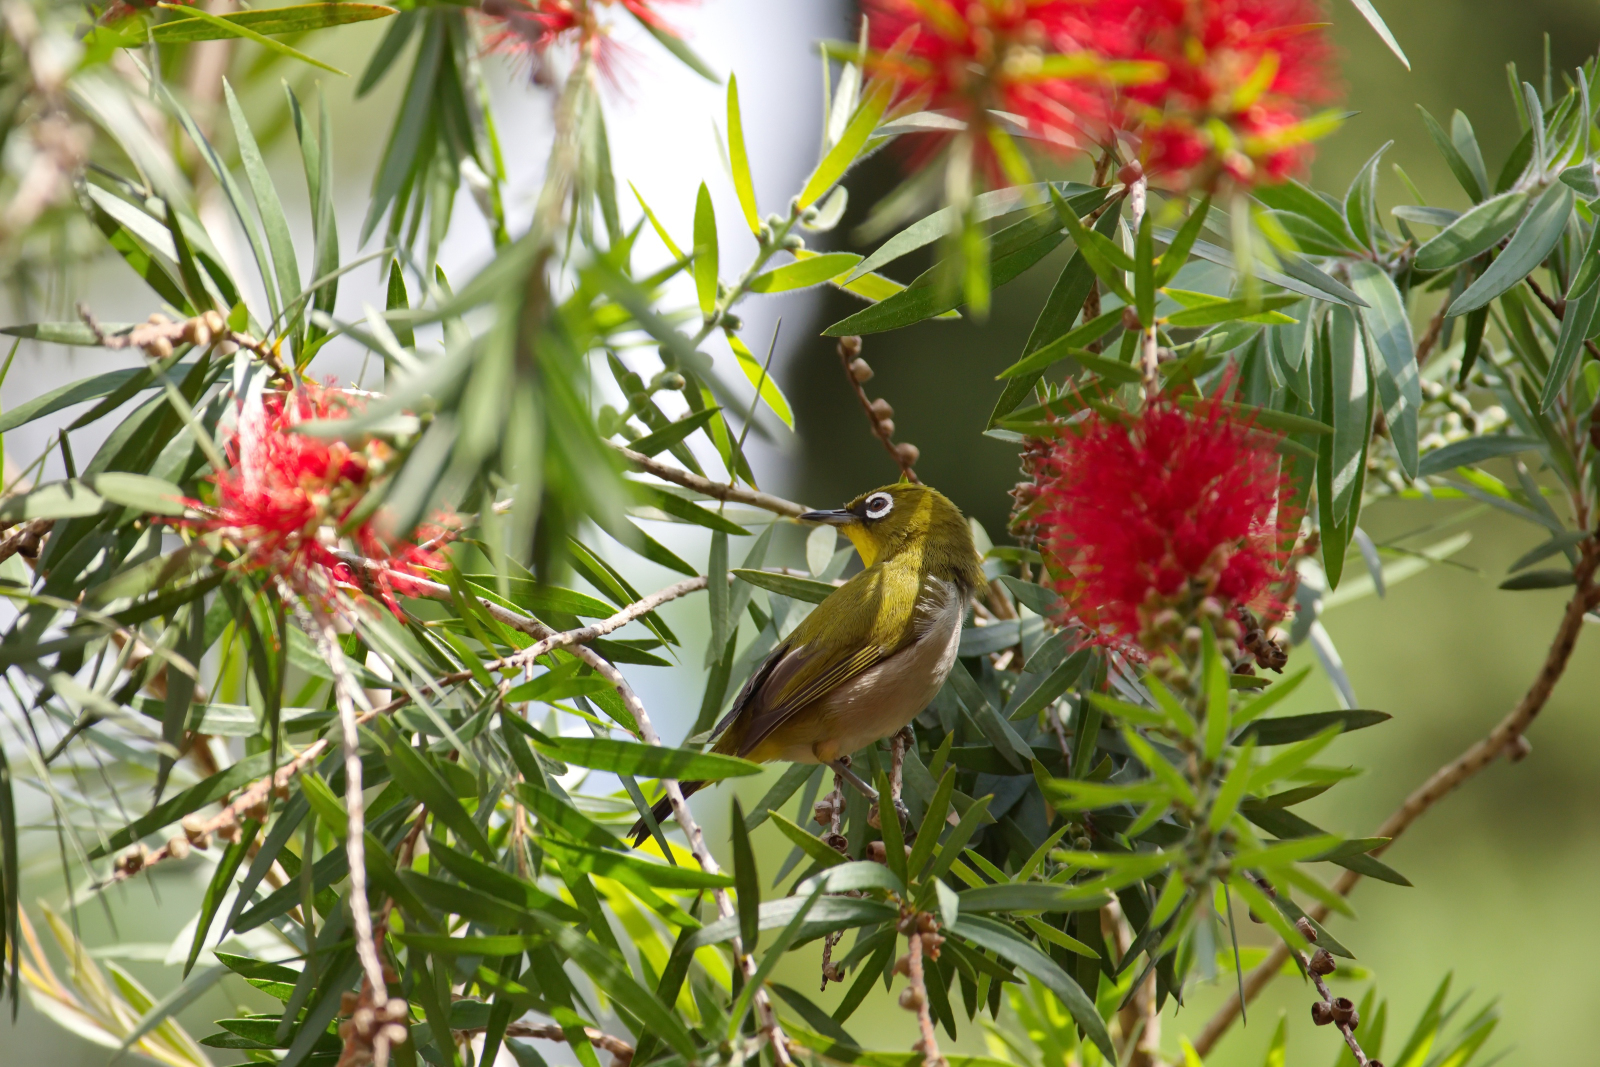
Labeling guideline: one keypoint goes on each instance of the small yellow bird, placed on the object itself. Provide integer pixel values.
(870, 657)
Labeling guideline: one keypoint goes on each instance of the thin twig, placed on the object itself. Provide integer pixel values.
(1506, 735)
(25, 539)
(621, 1051)
(929, 1045)
(1431, 337)
(1558, 308)
(715, 490)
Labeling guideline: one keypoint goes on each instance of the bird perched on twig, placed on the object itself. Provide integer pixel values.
(870, 657)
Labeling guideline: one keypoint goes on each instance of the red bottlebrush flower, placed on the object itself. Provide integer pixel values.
(1021, 57)
(1131, 511)
(1240, 75)
(285, 496)
(533, 27)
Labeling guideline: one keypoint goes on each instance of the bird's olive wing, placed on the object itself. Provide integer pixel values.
(865, 621)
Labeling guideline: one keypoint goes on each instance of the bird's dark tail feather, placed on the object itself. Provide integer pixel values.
(661, 812)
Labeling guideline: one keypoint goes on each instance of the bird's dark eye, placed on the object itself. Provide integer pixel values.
(879, 505)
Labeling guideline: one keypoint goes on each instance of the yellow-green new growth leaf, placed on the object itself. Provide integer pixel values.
(705, 252)
(761, 378)
(844, 153)
(739, 161)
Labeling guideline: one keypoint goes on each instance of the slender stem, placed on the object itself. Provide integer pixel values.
(1506, 735)
(346, 692)
(931, 1057)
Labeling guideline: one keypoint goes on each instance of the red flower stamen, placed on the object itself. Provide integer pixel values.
(1134, 509)
(286, 496)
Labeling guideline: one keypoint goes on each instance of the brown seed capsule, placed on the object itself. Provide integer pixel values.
(1307, 931)
(838, 842)
(860, 370)
(876, 852)
(822, 813)
(886, 427)
(1321, 1014)
(1322, 962)
(908, 453)
(850, 346)
(1344, 1010)
(1130, 319)
(911, 999)
(882, 408)
(874, 819)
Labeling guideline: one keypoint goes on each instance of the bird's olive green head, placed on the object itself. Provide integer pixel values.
(907, 517)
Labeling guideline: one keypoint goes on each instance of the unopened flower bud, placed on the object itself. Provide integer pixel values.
(850, 347)
(886, 427)
(1130, 319)
(860, 370)
(876, 852)
(882, 408)
(911, 999)
(1130, 173)
(158, 348)
(908, 453)
(673, 380)
(349, 1000)
(1082, 844)
(178, 848)
(902, 966)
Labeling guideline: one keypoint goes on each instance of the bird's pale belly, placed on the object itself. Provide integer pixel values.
(873, 705)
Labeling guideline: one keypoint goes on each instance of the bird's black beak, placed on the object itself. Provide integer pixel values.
(839, 517)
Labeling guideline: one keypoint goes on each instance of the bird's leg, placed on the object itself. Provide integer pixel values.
(841, 767)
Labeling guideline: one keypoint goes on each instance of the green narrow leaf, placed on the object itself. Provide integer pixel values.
(1452, 157)
(760, 377)
(1004, 942)
(747, 882)
(1144, 280)
(740, 160)
(227, 28)
(1375, 20)
(1575, 326)
(1533, 240)
(849, 146)
(1398, 380)
(1233, 787)
(423, 782)
(1474, 232)
(705, 252)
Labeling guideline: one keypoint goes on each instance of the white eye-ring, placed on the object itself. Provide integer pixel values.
(879, 505)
